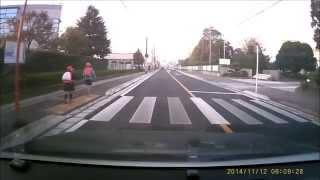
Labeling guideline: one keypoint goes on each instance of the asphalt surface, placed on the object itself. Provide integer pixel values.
(173, 114)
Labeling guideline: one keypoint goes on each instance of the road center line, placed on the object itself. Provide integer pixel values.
(185, 88)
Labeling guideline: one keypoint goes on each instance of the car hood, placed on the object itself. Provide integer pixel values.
(163, 146)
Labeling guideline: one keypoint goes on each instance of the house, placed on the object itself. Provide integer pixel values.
(120, 61)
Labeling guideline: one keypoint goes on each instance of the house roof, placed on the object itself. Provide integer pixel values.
(120, 56)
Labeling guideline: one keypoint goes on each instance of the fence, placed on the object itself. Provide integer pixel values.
(212, 68)
(215, 69)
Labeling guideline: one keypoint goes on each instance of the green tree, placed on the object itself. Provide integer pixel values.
(93, 26)
(138, 58)
(74, 42)
(37, 27)
(200, 54)
(246, 57)
(294, 56)
(315, 15)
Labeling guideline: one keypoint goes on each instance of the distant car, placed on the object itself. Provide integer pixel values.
(263, 76)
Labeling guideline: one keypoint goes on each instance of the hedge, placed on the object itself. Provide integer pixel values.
(46, 61)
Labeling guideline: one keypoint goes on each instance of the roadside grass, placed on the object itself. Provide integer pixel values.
(42, 83)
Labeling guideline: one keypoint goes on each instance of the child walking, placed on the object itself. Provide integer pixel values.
(89, 76)
(68, 84)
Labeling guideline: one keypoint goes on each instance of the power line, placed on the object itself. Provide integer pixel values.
(124, 5)
(260, 12)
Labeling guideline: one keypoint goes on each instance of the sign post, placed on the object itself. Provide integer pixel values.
(10, 54)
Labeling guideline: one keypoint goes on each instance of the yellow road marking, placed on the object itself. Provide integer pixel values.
(186, 89)
(225, 128)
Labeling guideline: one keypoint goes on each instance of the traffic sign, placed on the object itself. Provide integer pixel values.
(10, 53)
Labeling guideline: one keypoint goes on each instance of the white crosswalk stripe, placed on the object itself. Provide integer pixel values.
(144, 112)
(177, 113)
(212, 115)
(261, 112)
(108, 113)
(77, 126)
(243, 116)
(281, 111)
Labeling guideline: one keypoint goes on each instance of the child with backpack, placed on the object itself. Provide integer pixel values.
(89, 76)
(68, 84)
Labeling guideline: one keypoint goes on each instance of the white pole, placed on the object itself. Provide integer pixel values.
(224, 49)
(210, 51)
(257, 69)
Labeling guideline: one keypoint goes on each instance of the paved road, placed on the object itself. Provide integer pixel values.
(171, 111)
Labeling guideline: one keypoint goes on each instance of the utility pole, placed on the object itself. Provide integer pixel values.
(146, 54)
(210, 34)
(17, 66)
(257, 69)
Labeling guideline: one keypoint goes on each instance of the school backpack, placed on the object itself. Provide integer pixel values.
(66, 76)
(87, 72)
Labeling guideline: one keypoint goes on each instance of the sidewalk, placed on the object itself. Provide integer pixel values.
(38, 107)
(306, 102)
(281, 85)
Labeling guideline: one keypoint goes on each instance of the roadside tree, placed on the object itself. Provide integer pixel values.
(74, 42)
(93, 26)
(37, 27)
(138, 58)
(294, 56)
(315, 15)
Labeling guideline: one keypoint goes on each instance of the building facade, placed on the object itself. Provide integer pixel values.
(15, 11)
(120, 61)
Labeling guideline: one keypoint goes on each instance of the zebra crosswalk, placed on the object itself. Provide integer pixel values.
(247, 111)
(243, 116)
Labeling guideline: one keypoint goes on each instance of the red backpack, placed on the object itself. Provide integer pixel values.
(87, 71)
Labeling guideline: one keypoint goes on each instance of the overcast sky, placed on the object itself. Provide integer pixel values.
(175, 27)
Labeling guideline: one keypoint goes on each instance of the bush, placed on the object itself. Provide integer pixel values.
(291, 75)
(46, 61)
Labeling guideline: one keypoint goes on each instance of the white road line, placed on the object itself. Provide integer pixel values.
(213, 116)
(144, 112)
(77, 126)
(260, 111)
(212, 92)
(177, 113)
(243, 116)
(281, 111)
(131, 87)
(109, 112)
